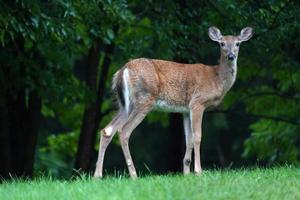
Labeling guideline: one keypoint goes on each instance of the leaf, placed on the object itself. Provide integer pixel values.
(110, 34)
(47, 112)
(2, 37)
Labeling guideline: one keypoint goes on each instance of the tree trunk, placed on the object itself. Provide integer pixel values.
(92, 113)
(17, 107)
(19, 122)
(5, 153)
(31, 133)
(88, 125)
(23, 132)
(19, 126)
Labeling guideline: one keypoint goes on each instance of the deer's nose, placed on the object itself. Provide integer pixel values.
(231, 56)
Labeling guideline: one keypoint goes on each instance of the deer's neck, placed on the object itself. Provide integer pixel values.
(227, 71)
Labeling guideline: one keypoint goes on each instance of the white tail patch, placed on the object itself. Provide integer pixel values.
(126, 91)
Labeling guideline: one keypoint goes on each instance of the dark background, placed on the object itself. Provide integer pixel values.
(57, 59)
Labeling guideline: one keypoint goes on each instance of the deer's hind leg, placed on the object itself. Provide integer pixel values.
(138, 113)
(106, 136)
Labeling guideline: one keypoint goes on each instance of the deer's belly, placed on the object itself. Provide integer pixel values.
(163, 105)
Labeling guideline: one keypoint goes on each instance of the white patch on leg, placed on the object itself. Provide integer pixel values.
(126, 89)
(186, 122)
(108, 131)
(191, 119)
(129, 163)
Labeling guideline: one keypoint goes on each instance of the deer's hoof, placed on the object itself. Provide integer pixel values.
(198, 173)
(97, 174)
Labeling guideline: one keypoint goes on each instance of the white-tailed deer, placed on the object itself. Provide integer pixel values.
(145, 84)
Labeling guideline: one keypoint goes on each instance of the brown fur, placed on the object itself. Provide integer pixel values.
(176, 83)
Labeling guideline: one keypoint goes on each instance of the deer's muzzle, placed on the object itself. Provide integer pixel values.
(231, 56)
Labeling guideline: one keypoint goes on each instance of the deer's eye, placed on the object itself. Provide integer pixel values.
(237, 44)
(222, 44)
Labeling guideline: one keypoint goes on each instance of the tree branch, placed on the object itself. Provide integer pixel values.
(272, 25)
(281, 95)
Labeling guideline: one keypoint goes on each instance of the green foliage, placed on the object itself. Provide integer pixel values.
(57, 157)
(271, 141)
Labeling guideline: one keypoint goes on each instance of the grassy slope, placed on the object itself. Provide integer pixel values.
(278, 183)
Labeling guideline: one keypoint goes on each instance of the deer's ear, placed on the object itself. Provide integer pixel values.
(246, 34)
(215, 34)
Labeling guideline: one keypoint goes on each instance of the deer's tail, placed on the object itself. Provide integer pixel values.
(117, 87)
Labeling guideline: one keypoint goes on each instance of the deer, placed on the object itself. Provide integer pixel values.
(143, 84)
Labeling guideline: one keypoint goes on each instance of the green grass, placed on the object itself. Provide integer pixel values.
(276, 183)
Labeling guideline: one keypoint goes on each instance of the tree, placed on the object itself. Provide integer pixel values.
(29, 74)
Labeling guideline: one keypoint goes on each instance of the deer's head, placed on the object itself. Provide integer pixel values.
(230, 44)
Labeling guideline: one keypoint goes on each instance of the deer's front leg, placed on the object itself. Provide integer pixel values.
(188, 144)
(196, 119)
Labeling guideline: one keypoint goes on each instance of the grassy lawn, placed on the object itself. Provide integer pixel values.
(276, 183)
